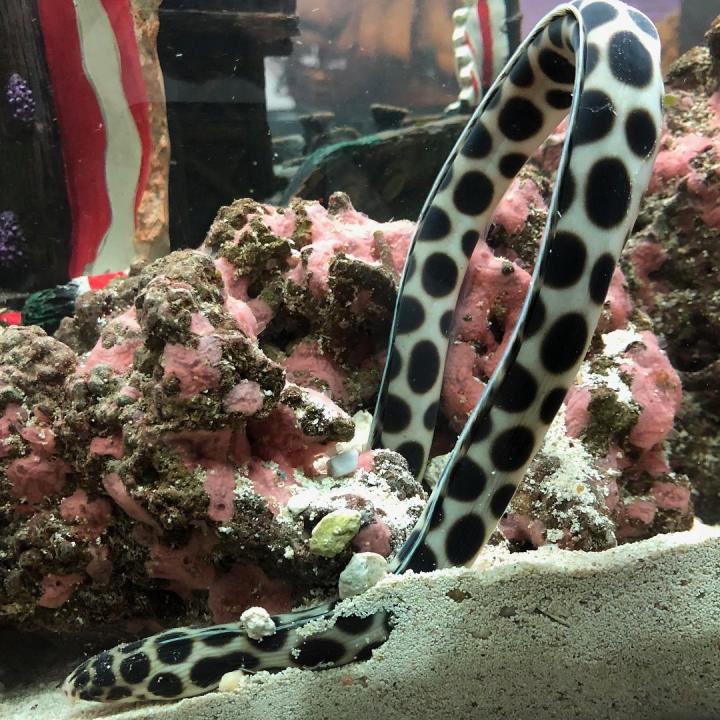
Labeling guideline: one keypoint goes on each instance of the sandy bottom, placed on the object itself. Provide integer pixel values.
(632, 632)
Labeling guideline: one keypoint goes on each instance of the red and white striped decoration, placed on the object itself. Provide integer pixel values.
(482, 43)
(102, 108)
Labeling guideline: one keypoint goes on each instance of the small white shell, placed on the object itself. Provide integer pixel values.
(257, 623)
(362, 572)
(343, 464)
(231, 681)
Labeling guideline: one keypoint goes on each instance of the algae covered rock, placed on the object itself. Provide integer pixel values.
(186, 432)
(145, 472)
(334, 532)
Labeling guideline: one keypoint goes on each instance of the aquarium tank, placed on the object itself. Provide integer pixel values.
(359, 358)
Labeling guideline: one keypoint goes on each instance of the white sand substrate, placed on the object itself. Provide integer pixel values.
(629, 633)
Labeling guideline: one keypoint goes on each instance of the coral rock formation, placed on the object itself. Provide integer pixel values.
(148, 474)
(183, 443)
(672, 263)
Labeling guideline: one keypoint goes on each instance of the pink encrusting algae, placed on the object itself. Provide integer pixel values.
(204, 394)
(172, 442)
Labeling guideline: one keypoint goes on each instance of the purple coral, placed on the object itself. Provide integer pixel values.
(20, 98)
(12, 238)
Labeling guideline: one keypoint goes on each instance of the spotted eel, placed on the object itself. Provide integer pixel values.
(597, 61)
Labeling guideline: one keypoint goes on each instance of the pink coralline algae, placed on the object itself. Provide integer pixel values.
(90, 517)
(620, 411)
(245, 586)
(147, 460)
(595, 482)
(176, 431)
(57, 589)
(206, 391)
(644, 411)
(672, 260)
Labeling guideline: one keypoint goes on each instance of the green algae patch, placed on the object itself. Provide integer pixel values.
(609, 419)
(332, 534)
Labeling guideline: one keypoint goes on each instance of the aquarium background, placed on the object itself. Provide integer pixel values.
(272, 100)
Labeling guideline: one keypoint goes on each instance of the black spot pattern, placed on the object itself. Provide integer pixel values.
(439, 275)
(641, 132)
(218, 639)
(512, 448)
(118, 693)
(354, 624)
(600, 278)
(467, 481)
(551, 404)
(482, 425)
(556, 67)
(564, 343)
(478, 144)
(607, 193)
(209, 670)
(437, 515)
(396, 414)
(317, 651)
(575, 37)
(473, 193)
(135, 668)
(411, 315)
(430, 416)
(446, 320)
(535, 317)
(493, 98)
(413, 452)
(173, 647)
(517, 391)
(270, 642)
(501, 499)
(595, 118)
(630, 61)
(446, 179)
(592, 55)
(511, 163)
(102, 667)
(79, 669)
(165, 685)
(643, 23)
(395, 364)
(469, 241)
(423, 367)
(566, 260)
(555, 32)
(423, 559)
(82, 679)
(92, 693)
(559, 99)
(436, 224)
(606, 201)
(522, 73)
(566, 194)
(464, 539)
(598, 13)
(131, 647)
(520, 119)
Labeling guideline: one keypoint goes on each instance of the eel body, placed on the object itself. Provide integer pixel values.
(597, 61)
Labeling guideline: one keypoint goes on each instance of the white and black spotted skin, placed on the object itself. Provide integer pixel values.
(599, 60)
